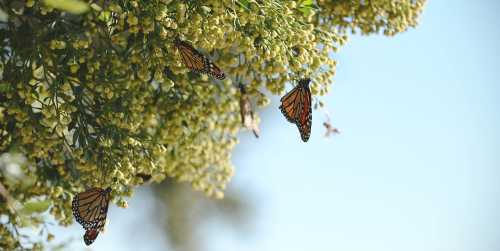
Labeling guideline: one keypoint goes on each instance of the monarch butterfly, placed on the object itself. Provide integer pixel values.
(90, 209)
(296, 107)
(196, 61)
(246, 112)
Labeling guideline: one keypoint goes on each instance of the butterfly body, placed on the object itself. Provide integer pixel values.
(196, 61)
(297, 109)
(90, 209)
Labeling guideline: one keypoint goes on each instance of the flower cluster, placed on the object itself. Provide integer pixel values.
(103, 99)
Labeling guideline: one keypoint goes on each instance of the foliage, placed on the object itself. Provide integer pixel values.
(101, 98)
(182, 213)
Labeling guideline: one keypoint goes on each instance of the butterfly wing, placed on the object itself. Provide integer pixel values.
(296, 107)
(304, 114)
(90, 236)
(192, 58)
(246, 112)
(254, 128)
(103, 211)
(243, 103)
(196, 61)
(216, 72)
(82, 206)
(91, 207)
(250, 123)
(289, 104)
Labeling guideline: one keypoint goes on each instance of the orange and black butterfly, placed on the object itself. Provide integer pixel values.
(90, 209)
(196, 61)
(246, 112)
(296, 106)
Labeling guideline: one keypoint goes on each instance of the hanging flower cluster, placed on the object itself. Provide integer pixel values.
(97, 94)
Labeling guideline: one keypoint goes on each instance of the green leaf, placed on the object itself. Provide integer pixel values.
(305, 7)
(4, 87)
(35, 207)
(244, 3)
(71, 6)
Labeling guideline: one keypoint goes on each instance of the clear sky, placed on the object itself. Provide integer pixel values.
(416, 166)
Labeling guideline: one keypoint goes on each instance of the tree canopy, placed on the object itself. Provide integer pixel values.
(95, 93)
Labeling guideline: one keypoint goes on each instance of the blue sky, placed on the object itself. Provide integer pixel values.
(415, 168)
